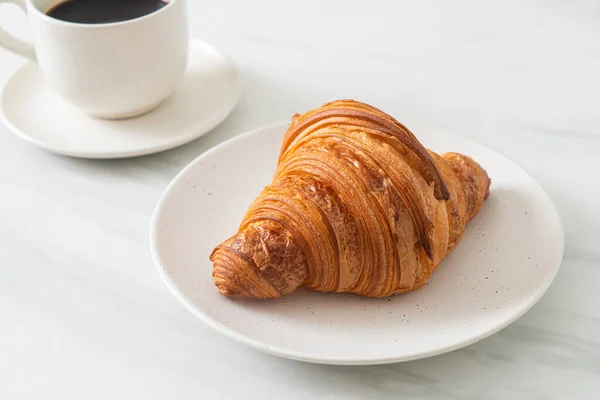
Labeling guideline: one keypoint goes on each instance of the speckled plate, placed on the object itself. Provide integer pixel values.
(508, 257)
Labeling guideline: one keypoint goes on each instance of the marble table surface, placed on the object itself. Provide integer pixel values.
(84, 315)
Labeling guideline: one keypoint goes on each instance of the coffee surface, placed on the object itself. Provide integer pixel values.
(103, 11)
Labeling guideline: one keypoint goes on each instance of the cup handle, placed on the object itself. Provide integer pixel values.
(11, 43)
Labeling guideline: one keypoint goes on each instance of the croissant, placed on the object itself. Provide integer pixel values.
(356, 205)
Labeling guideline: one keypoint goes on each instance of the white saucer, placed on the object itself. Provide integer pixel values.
(208, 93)
(506, 260)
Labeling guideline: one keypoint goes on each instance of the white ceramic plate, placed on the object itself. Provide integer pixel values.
(209, 91)
(508, 257)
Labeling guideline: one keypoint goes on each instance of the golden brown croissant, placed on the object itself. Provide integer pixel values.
(357, 205)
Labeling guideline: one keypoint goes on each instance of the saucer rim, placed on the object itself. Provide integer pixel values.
(197, 130)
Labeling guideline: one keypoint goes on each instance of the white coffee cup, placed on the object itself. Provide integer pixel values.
(109, 70)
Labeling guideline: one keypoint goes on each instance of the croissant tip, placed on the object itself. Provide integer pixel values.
(226, 291)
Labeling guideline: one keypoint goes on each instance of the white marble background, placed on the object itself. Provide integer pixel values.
(83, 315)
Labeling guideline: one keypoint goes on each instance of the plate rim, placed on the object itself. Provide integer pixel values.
(225, 110)
(308, 357)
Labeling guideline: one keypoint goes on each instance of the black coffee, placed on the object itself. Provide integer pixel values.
(104, 11)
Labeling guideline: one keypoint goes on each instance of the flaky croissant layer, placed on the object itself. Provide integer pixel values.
(357, 205)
